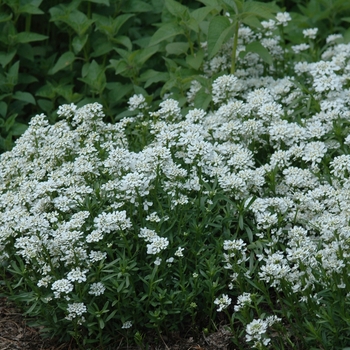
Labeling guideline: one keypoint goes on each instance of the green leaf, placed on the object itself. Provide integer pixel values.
(165, 32)
(110, 26)
(144, 54)
(178, 48)
(79, 22)
(103, 2)
(12, 74)
(9, 122)
(137, 6)
(195, 60)
(254, 8)
(30, 9)
(219, 28)
(119, 66)
(46, 105)
(3, 108)
(18, 129)
(202, 99)
(118, 91)
(151, 76)
(24, 96)
(200, 14)
(346, 19)
(256, 47)
(6, 57)
(252, 21)
(123, 40)
(4, 17)
(94, 76)
(27, 37)
(79, 42)
(64, 61)
(176, 9)
(211, 3)
(46, 91)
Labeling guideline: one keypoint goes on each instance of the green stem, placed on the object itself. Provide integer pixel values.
(234, 49)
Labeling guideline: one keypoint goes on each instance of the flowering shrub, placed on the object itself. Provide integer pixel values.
(174, 215)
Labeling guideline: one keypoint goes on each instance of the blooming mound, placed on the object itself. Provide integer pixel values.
(172, 215)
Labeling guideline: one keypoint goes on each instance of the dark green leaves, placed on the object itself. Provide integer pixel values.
(260, 50)
(64, 61)
(219, 30)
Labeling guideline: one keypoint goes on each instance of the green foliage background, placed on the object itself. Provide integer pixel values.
(54, 52)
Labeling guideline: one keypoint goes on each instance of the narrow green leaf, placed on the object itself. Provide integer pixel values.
(27, 37)
(64, 61)
(219, 28)
(165, 32)
(24, 96)
(261, 51)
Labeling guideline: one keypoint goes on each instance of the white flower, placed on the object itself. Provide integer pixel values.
(158, 261)
(137, 102)
(225, 87)
(127, 324)
(179, 252)
(310, 33)
(77, 275)
(300, 48)
(243, 300)
(157, 245)
(61, 286)
(283, 18)
(222, 302)
(75, 310)
(97, 289)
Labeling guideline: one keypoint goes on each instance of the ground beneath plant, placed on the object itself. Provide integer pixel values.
(16, 334)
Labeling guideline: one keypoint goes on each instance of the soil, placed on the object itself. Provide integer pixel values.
(15, 334)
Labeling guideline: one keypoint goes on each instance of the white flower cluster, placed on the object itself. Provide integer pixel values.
(64, 187)
(256, 331)
(223, 302)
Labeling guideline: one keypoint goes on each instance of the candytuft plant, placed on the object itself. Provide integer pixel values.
(223, 205)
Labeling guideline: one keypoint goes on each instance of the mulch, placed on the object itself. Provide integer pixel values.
(16, 334)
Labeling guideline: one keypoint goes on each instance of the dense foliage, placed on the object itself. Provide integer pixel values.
(54, 52)
(206, 185)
